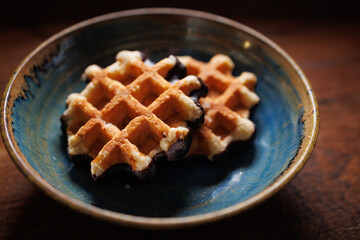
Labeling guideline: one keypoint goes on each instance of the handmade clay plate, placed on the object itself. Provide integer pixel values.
(184, 193)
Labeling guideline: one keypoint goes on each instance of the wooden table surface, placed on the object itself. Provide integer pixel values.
(322, 202)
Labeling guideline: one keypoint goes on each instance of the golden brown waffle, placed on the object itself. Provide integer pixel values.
(227, 105)
(130, 114)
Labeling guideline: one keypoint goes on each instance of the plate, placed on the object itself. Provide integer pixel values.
(184, 193)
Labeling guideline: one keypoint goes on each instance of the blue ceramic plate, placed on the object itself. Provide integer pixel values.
(183, 193)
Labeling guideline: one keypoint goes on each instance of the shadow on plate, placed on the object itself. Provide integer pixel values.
(175, 186)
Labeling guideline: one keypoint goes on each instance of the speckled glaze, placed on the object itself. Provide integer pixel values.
(184, 193)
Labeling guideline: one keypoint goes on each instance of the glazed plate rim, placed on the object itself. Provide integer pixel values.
(161, 222)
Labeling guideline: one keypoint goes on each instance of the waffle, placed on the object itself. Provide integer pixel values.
(130, 114)
(227, 105)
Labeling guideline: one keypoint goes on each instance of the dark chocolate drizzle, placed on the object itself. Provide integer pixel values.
(63, 124)
(144, 57)
(177, 151)
(112, 171)
(195, 95)
(177, 72)
(199, 93)
(146, 60)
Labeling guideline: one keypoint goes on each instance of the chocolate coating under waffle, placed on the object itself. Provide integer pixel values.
(227, 105)
(130, 114)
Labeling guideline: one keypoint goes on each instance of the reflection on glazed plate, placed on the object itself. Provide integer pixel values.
(183, 193)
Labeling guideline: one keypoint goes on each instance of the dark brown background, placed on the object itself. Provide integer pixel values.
(322, 202)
